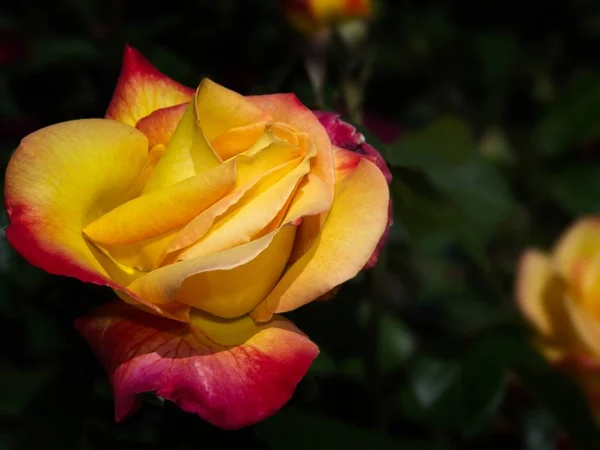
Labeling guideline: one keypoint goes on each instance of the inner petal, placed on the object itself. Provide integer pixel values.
(158, 212)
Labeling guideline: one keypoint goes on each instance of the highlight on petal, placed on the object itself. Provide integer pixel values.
(232, 373)
(142, 89)
(353, 227)
(60, 179)
(160, 125)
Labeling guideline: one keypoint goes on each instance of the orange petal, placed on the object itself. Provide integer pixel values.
(231, 373)
(587, 327)
(286, 108)
(160, 125)
(221, 110)
(349, 236)
(238, 140)
(142, 89)
(160, 211)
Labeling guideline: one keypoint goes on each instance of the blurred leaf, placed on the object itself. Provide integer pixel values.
(442, 144)
(577, 188)
(292, 429)
(479, 191)
(19, 388)
(396, 344)
(540, 430)
(461, 394)
(574, 119)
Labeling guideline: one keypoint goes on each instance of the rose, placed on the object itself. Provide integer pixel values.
(312, 16)
(558, 294)
(208, 213)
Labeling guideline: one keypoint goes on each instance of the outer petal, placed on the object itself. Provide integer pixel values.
(286, 108)
(537, 288)
(231, 373)
(161, 124)
(348, 238)
(60, 179)
(142, 89)
(345, 136)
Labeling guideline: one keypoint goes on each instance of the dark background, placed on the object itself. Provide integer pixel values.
(497, 109)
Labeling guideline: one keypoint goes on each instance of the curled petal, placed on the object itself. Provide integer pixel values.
(288, 109)
(231, 373)
(142, 89)
(353, 227)
(576, 248)
(60, 179)
(345, 136)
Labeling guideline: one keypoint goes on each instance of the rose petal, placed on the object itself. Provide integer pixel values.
(163, 285)
(228, 119)
(187, 155)
(60, 179)
(348, 238)
(249, 219)
(231, 373)
(287, 109)
(579, 244)
(235, 292)
(160, 125)
(164, 210)
(142, 89)
(539, 292)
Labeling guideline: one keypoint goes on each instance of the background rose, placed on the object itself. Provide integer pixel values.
(310, 16)
(214, 208)
(558, 294)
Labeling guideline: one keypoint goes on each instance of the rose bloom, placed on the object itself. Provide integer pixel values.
(558, 294)
(311, 16)
(208, 213)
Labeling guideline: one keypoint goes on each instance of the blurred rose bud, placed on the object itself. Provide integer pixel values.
(312, 16)
(558, 294)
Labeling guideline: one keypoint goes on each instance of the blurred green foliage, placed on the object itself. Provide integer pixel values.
(498, 107)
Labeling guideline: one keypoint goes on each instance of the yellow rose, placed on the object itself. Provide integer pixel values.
(311, 16)
(208, 213)
(558, 294)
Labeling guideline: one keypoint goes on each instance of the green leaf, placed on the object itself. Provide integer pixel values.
(460, 393)
(574, 119)
(479, 192)
(444, 143)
